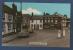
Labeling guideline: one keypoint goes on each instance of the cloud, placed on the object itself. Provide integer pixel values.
(30, 10)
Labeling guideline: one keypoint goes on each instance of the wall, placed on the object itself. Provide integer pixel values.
(36, 22)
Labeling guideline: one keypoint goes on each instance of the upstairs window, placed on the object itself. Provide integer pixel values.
(52, 20)
(40, 21)
(48, 20)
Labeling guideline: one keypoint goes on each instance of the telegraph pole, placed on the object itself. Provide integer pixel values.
(21, 13)
(14, 12)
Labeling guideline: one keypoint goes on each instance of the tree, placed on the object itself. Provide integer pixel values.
(55, 13)
(46, 14)
(65, 15)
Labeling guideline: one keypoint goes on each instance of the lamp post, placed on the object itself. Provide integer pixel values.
(14, 16)
(64, 27)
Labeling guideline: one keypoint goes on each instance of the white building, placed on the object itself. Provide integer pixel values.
(36, 24)
(7, 21)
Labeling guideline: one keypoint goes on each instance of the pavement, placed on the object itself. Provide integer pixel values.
(42, 38)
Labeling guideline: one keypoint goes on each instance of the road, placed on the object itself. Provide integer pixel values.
(42, 38)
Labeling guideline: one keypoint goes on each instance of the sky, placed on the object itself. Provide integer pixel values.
(40, 8)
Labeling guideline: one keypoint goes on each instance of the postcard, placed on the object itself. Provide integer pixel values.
(36, 24)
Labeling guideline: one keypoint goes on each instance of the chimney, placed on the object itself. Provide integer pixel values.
(65, 16)
(44, 14)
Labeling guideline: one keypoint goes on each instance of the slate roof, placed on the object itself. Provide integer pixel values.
(7, 9)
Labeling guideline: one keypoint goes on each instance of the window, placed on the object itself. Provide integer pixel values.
(45, 20)
(63, 20)
(63, 24)
(48, 20)
(52, 20)
(10, 27)
(56, 21)
(40, 21)
(31, 25)
(10, 18)
(41, 26)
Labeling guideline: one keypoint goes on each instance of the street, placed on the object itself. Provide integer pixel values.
(42, 38)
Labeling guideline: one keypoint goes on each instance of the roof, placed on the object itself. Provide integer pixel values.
(7, 9)
(25, 15)
(36, 18)
(40, 17)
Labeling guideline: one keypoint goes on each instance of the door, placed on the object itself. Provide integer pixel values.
(36, 27)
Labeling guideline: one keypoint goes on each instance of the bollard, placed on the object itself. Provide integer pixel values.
(63, 32)
(59, 33)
